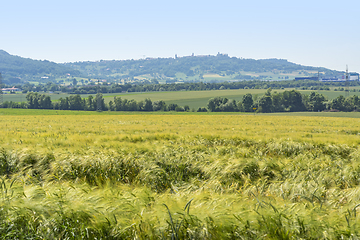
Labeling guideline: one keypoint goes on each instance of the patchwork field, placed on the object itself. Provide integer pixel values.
(194, 99)
(178, 176)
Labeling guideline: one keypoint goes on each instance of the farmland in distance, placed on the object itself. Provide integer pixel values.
(194, 99)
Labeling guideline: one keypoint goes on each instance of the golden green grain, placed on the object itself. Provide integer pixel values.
(263, 177)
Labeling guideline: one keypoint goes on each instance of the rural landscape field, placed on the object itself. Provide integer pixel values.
(90, 175)
(174, 120)
(194, 99)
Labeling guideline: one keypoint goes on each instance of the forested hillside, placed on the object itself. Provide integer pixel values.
(15, 69)
(207, 68)
(185, 67)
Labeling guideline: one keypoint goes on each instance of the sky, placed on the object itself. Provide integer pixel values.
(312, 33)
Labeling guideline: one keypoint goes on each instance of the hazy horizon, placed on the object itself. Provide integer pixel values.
(311, 33)
(166, 57)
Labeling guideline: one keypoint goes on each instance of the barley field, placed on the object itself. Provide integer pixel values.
(183, 176)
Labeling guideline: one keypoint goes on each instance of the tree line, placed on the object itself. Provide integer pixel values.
(287, 101)
(35, 100)
(271, 101)
(153, 86)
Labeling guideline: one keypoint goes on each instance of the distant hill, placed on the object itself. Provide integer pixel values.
(206, 68)
(190, 68)
(16, 69)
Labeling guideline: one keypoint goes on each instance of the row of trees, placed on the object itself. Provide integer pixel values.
(153, 86)
(287, 101)
(75, 102)
(343, 104)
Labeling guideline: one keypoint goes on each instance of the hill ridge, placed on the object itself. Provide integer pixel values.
(16, 69)
(218, 67)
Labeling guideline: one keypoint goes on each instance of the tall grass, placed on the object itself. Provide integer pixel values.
(163, 178)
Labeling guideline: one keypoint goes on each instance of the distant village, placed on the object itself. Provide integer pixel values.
(10, 90)
(340, 78)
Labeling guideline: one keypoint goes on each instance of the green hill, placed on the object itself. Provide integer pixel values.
(16, 69)
(207, 68)
(197, 68)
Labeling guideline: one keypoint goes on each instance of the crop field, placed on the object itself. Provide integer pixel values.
(82, 175)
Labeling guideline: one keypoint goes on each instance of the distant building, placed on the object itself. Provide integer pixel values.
(9, 90)
(340, 78)
(354, 76)
(306, 78)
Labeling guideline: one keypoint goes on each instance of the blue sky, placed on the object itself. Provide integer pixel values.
(317, 33)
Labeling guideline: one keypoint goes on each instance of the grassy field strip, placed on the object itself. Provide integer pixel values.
(194, 99)
(16, 112)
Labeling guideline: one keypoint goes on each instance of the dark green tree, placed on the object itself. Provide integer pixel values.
(132, 105)
(100, 102)
(159, 106)
(248, 102)
(229, 106)
(214, 104)
(292, 101)
(148, 105)
(172, 106)
(316, 102)
(118, 104)
(33, 100)
(45, 102)
(76, 103)
(338, 103)
(90, 104)
(277, 102)
(265, 104)
(64, 103)
(354, 101)
(111, 106)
